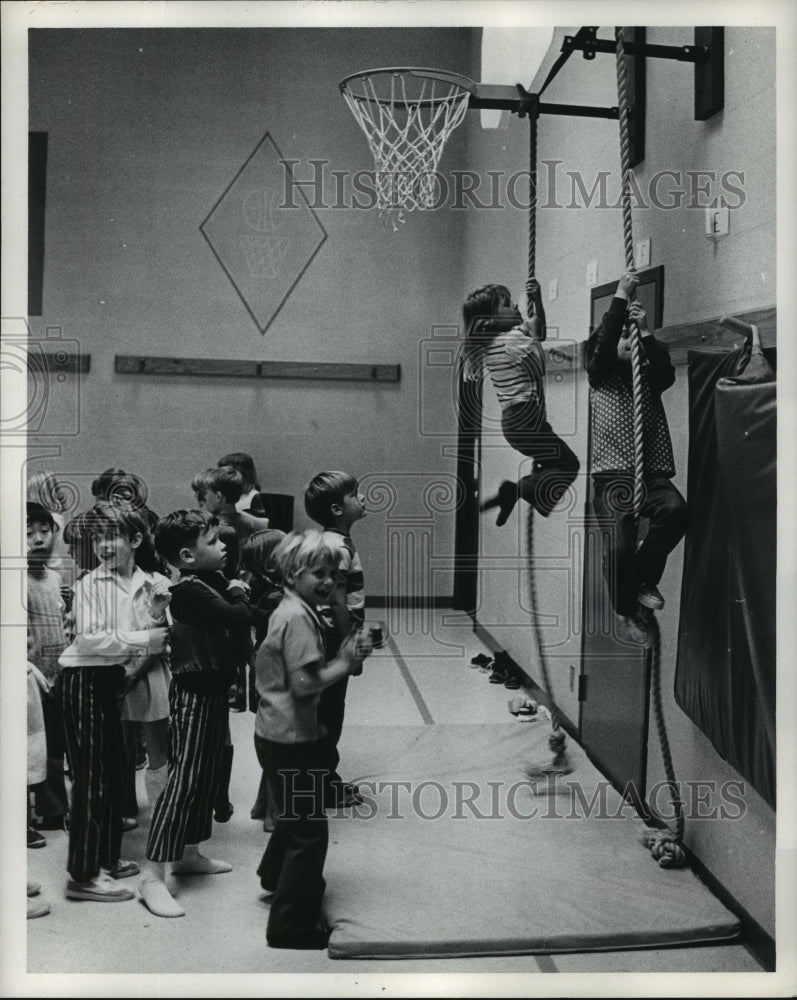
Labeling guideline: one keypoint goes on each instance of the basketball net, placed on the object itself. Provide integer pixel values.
(407, 115)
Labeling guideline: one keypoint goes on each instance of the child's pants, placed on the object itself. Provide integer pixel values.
(183, 813)
(95, 750)
(331, 709)
(50, 796)
(555, 464)
(293, 863)
(625, 568)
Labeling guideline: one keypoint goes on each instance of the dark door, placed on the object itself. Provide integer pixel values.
(466, 529)
(615, 677)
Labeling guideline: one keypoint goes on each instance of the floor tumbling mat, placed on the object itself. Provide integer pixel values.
(455, 851)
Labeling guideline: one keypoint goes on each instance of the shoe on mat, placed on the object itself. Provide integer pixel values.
(520, 705)
(37, 908)
(122, 869)
(650, 597)
(102, 889)
(480, 660)
(35, 839)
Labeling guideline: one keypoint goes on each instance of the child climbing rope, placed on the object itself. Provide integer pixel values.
(632, 571)
(498, 338)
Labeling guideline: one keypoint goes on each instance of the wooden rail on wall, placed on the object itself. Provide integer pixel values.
(135, 364)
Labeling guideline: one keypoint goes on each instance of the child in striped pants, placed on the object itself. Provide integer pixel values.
(208, 611)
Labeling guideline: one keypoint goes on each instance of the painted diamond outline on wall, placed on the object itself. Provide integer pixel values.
(263, 244)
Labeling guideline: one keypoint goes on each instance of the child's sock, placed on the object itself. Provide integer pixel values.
(158, 899)
(194, 863)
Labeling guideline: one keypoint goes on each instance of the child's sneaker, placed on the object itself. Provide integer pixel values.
(37, 908)
(35, 839)
(122, 869)
(102, 889)
(650, 597)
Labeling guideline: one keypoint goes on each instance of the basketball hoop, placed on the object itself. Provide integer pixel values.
(407, 114)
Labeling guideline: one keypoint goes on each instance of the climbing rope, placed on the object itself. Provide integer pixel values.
(664, 844)
(557, 737)
(628, 244)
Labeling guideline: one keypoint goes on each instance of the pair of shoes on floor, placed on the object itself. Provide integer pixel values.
(481, 660)
(503, 671)
(102, 889)
(312, 940)
(122, 869)
(224, 814)
(35, 839)
(650, 597)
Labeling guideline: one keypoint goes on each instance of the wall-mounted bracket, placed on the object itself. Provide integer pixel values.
(504, 98)
(707, 55)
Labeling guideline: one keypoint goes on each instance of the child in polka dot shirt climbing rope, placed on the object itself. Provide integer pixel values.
(632, 573)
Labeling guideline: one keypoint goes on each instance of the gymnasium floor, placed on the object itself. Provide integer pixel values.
(416, 679)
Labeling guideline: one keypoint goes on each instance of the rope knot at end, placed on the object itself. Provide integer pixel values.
(665, 848)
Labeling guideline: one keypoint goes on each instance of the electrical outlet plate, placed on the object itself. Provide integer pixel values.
(718, 222)
(592, 273)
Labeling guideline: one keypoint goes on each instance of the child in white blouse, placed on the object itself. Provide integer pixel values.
(498, 338)
(116, 606)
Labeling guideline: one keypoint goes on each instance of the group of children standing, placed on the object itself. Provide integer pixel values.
(171, 650)
(179, 619)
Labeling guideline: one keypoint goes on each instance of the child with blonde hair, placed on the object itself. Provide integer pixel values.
(291, 672)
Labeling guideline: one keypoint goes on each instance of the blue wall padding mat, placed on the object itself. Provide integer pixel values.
(456, 852)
